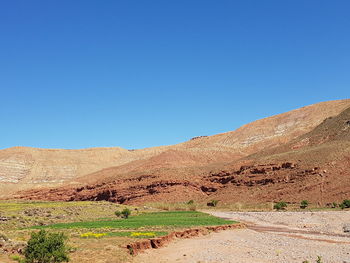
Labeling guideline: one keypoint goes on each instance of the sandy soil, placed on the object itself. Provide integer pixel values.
(269, 237)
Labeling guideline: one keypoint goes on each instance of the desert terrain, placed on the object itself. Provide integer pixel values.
(184, 232)
(301, 154)
(269, 237)
(215, 192)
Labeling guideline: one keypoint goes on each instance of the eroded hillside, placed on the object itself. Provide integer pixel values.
(257, 162)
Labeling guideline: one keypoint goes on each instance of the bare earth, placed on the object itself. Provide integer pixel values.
(269, 237)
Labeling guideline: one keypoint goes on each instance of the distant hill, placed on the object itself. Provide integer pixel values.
(261, 161)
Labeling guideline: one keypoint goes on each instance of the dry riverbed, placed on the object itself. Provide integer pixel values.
(269, 237)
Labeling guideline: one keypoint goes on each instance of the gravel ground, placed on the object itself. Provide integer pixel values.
(270, 237)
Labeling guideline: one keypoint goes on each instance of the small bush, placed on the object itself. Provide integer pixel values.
(319, 259)
(44, 247)
(304, 204)
(191, 202)
(346, 203)
(334, 205)
(118, 213)
(280, 206)
(126, 213)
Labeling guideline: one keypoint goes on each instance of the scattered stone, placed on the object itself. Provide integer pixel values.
(346, 228)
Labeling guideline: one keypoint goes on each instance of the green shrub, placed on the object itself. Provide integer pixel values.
(126, 213)
(44, 247)
(213, 203)
(118, 213)
(346, 203)
(304, 204)
(319, 259)
(280, 206)
(17, 258)
(334, 205)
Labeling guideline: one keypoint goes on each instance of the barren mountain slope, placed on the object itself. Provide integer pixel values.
(271, 131)
(23, 168)
(282, 172)
(314, 166)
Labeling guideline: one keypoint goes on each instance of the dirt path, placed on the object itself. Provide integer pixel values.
(270, 237)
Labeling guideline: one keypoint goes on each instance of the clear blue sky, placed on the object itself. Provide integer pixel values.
(76, 74)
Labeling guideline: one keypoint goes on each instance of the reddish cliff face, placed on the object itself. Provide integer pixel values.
(261, 161)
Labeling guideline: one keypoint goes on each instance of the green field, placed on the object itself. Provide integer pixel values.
(93, 230)
(133, 234)
(155, 219)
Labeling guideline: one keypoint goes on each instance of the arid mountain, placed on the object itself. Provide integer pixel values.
(252, 161)
(314, 166)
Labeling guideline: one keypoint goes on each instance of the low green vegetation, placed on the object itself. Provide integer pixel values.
(280, 206)
(125, 213)
(138, 234)
(44, 247)
(155, 219)
(345, 204)
(93, 229)
(304, 204)
(24, 214)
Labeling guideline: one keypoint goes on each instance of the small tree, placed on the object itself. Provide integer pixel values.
(44, 247)
(280, 206)
(126, 213)
(304, 204)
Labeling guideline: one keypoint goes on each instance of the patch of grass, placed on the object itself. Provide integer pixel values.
(139, 234)
(17, 258)
(156, 219)
(24, 214)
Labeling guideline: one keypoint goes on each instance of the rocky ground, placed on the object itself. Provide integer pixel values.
(269, 237)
